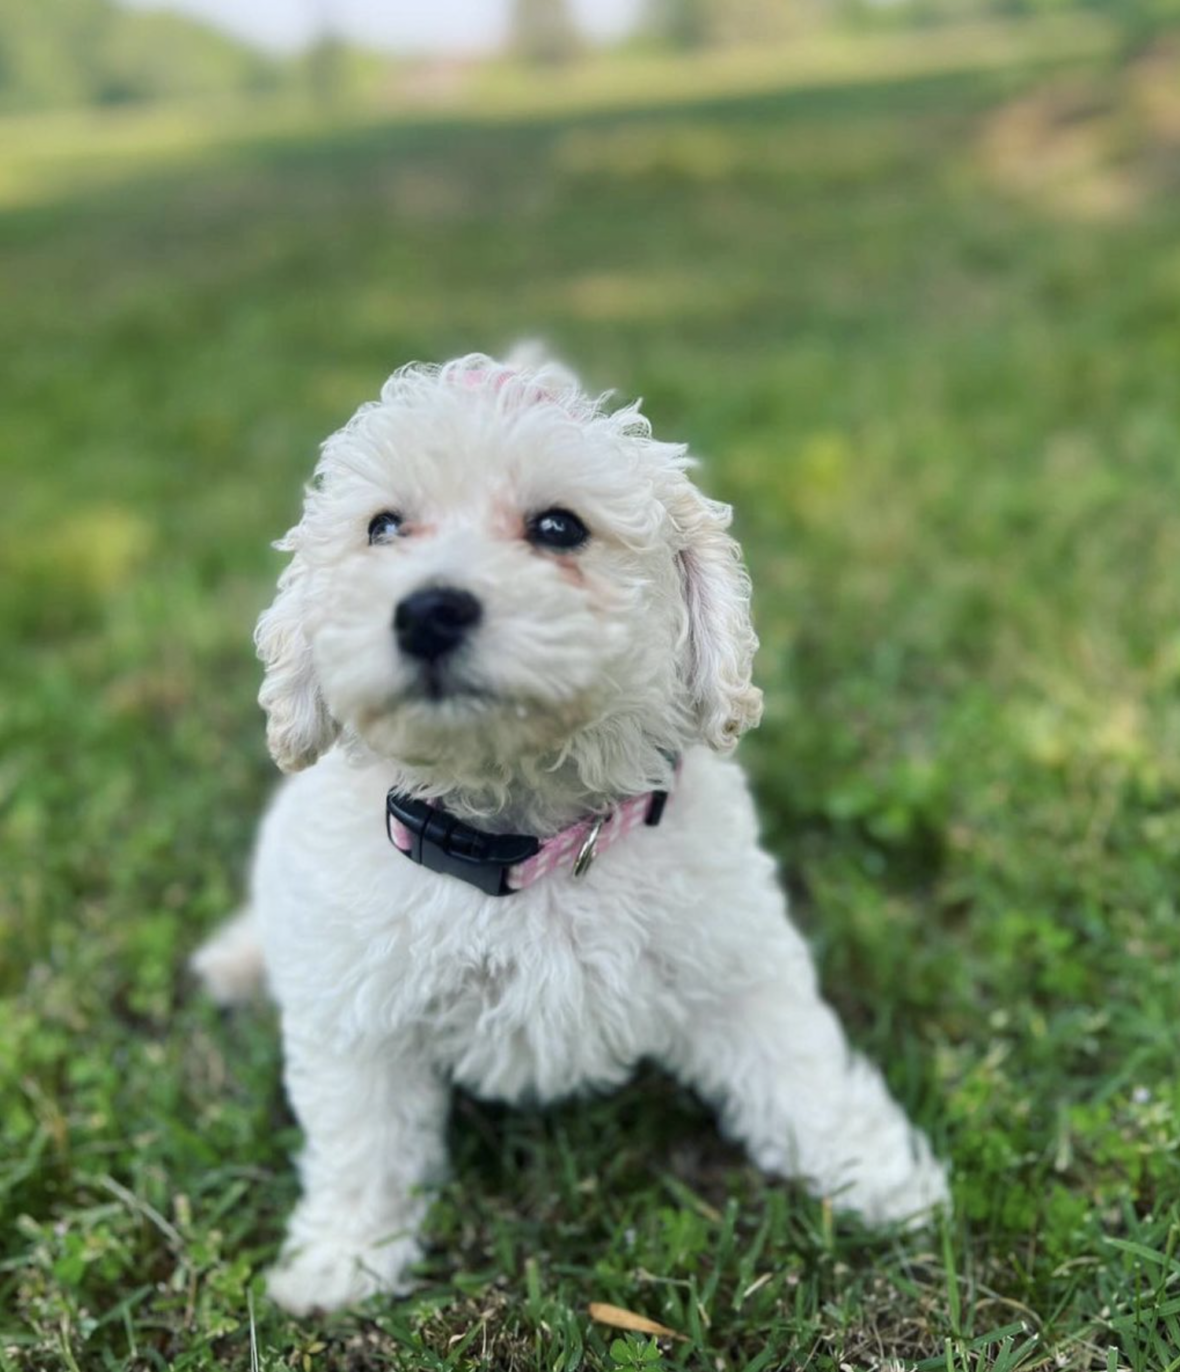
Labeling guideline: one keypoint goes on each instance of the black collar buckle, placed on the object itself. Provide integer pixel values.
(442, 843)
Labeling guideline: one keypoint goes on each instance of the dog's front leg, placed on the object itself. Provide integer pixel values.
(375, 1135)
(774, 1060)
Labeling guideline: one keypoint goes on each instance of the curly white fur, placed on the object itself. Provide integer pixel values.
(587, 673)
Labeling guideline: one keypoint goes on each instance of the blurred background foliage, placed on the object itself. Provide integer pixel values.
(70, 52)
(906, 275)
(57, 53)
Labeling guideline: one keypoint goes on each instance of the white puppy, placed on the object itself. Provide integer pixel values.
(510, 620)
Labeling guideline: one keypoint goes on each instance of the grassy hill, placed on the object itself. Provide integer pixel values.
(932, 358)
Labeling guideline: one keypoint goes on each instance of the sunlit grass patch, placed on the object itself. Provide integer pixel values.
(1099, 147)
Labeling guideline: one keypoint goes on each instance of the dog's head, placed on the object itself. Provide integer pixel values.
(492, 569)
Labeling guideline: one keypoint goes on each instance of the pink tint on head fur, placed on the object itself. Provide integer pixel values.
(478, 377)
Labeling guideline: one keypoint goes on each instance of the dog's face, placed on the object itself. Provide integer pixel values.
(491, 571)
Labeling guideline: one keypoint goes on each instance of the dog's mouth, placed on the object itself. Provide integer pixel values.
(430, 702)
(436, 684)
(451, 700)
(438, 718)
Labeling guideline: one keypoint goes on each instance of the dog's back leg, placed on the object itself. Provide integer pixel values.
(230, 964)
(771, 1055)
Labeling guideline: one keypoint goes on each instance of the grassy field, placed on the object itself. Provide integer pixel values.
(926, 331)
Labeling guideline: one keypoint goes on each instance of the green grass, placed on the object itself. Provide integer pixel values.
(948, 415)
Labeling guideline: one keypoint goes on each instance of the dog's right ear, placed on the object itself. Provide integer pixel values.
(298, 725)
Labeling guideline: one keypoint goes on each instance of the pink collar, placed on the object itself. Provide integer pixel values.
(501, 864)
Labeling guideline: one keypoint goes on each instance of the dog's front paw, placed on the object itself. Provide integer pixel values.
(325, 1275)
(906, 1190)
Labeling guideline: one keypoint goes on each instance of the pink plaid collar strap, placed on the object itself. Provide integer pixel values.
(501, 864)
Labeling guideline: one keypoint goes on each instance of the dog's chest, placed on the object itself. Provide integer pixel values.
(547, 999)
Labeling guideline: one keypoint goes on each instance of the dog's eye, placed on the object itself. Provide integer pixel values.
(557, 529)
(384, 526)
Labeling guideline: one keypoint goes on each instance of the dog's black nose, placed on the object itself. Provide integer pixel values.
(435, 621)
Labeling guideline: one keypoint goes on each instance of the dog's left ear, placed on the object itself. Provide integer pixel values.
(719, 653)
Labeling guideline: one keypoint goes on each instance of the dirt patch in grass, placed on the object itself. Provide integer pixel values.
(1098, 147)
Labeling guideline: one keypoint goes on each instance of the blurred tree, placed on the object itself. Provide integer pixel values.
(543, 31)
(706, 23)
(326, 69)
(46, 49)
(68, 52)
(158, 55)
(679, 23)
(326, 60)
